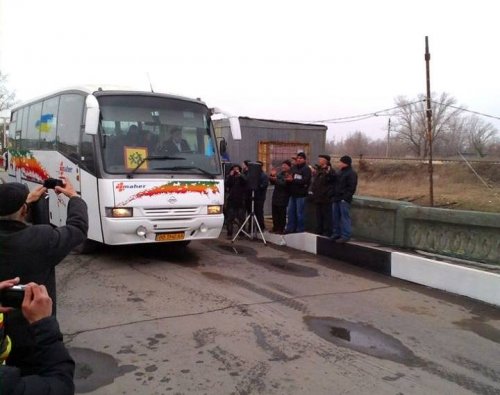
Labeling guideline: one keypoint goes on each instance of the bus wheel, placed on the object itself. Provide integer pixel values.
(87, 247)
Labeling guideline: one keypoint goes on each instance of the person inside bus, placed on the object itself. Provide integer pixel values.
(54, 366)
(175, 143)
(32, 252)
(133, 136)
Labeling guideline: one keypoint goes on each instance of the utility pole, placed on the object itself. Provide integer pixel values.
(429, 121)
(388, 138)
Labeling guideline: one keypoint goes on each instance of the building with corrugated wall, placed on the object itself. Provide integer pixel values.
(272, 141)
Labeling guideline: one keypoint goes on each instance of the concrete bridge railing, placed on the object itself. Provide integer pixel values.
(462, 234)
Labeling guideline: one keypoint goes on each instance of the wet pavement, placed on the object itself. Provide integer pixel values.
(244, 318)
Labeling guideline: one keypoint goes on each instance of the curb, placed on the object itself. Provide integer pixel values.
(477, 284)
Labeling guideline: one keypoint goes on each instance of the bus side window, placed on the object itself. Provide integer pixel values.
(32, 132)
(48, 123)
(69, 123)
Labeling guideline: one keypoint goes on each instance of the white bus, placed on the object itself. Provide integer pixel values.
(147, 164)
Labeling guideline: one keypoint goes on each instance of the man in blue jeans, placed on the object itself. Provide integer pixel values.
(344, 186)
(298, 180)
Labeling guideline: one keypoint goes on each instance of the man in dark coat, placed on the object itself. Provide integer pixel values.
(260, 197)
(345, 185)
(281, 194)
(322, 192)
(299, 181)
(54, 366)
(175, 143)
(236, 187)
(32, 252)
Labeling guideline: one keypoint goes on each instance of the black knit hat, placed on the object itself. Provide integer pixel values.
(12, 197)
(324, 156)
(302, 155)
(346, 159)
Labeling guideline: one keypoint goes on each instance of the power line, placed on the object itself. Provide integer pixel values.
(467, 110)
(361, 117)
(386, 113)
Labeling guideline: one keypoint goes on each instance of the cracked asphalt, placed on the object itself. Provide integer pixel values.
(218, 318)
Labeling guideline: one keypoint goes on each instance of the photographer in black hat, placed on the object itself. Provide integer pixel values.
(31, 252)
(344, 187)
(321, 195)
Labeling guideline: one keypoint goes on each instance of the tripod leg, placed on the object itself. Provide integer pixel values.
(259, 228)
(241, 229)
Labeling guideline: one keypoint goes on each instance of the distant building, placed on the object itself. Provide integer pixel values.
(271, 141)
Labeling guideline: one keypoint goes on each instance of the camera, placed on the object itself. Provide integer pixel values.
(51, 183)
(12, 297)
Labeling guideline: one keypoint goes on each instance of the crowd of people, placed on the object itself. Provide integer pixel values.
(329, 188)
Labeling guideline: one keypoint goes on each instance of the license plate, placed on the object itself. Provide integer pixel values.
(170, 236)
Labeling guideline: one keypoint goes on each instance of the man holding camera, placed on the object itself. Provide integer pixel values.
(236, 186)
(54, 366)
(31, 252)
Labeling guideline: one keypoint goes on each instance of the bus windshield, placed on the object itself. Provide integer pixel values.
(154, 134)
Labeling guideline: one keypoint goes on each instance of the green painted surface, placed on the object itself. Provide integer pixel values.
(462, 234)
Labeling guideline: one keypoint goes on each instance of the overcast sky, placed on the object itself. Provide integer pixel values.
(295, 60)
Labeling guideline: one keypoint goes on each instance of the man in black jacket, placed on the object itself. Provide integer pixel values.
(281, 194)
(322, 191)
(55, 367)
(345, 184)
(236, 187)
(32, 252)
(299, 181)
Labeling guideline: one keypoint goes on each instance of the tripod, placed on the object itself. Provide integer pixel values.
(253, 221)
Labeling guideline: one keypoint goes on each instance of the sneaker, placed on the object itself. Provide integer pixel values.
(334, 237)
(341, 240)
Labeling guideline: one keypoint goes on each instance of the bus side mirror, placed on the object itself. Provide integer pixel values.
(91, 115)
(234, 124)
(222, 146)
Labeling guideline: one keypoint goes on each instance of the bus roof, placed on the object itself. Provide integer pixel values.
(103, 90)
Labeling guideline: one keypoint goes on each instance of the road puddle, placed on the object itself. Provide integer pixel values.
(95, 369)
(235, 249)
(363, 338)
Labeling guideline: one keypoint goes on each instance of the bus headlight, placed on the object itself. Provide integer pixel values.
(119, 212)
(141, 231)
(214, 209)
(203, 228)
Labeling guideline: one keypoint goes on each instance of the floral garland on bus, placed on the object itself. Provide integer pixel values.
(31, 168)
(175, 187)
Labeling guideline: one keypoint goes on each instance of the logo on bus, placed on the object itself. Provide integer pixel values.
(120, 187)
(64, 169)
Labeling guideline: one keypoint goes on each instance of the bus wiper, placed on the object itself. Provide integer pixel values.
(150, 158)
(207, 173)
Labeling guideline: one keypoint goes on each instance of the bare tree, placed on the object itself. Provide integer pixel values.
(356, 144)
(480, 134)
(7, 97)
(411, 123)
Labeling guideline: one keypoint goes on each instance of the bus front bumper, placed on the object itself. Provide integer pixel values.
(131, 230)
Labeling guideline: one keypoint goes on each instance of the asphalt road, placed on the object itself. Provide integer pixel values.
(251, 319)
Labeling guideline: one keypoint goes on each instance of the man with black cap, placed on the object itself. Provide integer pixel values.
(322, 192)
(345, 184)
(31, 252)
(299, 181)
